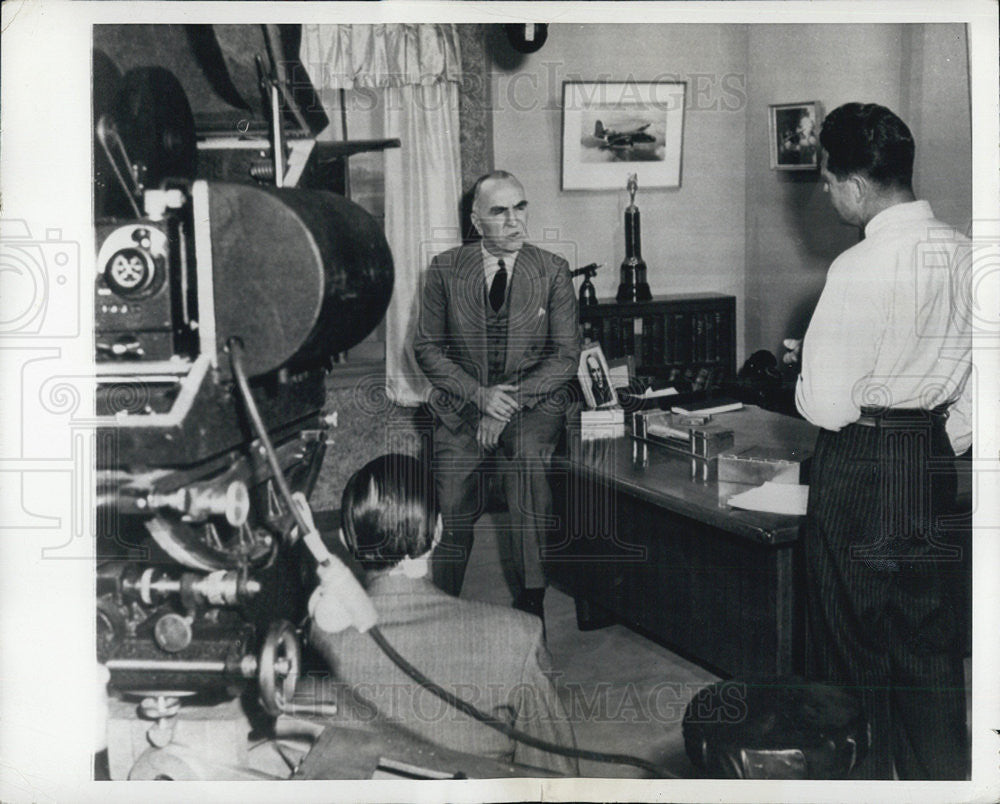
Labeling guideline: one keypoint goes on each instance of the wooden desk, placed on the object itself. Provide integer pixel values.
(667, 554)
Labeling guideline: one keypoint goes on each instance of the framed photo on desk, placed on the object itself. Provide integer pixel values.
(595, 379)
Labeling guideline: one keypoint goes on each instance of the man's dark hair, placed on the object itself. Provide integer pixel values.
(389, 511)
(868, 139)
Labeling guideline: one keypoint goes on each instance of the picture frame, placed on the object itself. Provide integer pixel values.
(595, 379)
(613, 128)
(794, 135)
(621, 371)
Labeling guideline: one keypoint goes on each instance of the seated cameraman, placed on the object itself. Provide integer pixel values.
(492, 657)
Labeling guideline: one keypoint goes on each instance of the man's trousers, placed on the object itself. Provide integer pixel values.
(884, 580)
(522, 458)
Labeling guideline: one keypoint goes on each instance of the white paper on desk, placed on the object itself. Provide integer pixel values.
(775, 498)
(619, 376)
(649, 393)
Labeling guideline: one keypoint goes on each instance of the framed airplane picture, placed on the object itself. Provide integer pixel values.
(613, 128)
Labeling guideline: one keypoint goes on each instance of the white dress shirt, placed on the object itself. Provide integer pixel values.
(889, 329)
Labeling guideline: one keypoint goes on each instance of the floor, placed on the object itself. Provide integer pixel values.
(625, 693)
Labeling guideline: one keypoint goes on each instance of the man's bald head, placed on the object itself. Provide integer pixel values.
(500, 212)
(488, 179)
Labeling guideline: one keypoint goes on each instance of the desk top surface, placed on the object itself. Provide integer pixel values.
(666, 479)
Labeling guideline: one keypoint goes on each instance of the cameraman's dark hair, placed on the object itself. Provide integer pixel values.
(389, 511)
(868, 139)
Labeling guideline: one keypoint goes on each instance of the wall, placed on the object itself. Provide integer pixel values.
(919, 71)
(935, 104)
(693, 237)
(734, 226)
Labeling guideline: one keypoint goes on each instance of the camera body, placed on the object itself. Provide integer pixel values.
(199, 575)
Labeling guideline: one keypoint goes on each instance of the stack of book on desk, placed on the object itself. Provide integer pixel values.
(603, 423)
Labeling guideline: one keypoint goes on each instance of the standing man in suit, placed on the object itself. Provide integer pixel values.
(492, 657)
(886, 363)
(498, 340)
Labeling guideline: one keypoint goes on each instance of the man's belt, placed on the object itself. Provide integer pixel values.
(879, 417)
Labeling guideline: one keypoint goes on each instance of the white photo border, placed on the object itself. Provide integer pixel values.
(662, 97)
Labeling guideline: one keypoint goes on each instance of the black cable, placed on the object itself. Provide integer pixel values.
(504, 728)
(235, 352)
(235, 347)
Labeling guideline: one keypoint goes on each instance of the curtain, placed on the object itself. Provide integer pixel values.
(422, 192)
(390, 55)
(411, 72)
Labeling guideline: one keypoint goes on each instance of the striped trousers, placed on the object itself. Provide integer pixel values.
(882, 589)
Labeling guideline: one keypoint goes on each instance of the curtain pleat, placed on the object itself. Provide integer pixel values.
(377, 56)
(416, 69)
(422, 190)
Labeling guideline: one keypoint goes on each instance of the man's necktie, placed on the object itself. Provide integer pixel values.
(499, 287)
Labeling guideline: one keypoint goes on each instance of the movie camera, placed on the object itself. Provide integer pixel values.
(218, 306)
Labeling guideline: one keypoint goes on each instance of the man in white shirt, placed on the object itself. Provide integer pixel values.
(886, 363)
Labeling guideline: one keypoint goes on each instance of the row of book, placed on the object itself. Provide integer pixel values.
(686, 337)
(669, 338)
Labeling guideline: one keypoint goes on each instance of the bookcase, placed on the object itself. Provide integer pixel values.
(688, 337)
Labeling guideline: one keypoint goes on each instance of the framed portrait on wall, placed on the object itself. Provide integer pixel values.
(595, 379)
(613, 128)
(794, 135)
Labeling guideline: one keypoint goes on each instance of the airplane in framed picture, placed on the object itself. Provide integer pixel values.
(622, 139)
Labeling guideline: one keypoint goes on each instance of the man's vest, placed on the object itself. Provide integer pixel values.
(496, 341)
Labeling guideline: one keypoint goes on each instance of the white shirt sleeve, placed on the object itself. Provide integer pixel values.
(959, 423)
(839, 349)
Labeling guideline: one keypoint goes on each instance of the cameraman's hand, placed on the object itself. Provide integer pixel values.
(488, 434)
(497, 401)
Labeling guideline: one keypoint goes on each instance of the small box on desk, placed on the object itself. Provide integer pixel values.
(702, 443)
(706, 447)
(757, 465)
(603, 423)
